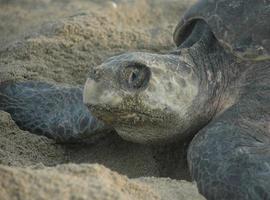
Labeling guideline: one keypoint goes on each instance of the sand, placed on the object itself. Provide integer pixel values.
(58, 41)
(70, 181)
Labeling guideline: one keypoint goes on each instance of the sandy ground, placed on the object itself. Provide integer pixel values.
(58, 41)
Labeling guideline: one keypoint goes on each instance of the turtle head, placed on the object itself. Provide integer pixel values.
(151, 98)
(147, 98)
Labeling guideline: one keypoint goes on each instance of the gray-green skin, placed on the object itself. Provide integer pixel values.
(214, 89)
(56, 111)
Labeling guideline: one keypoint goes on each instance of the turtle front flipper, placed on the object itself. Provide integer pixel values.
(230, 158)
(57, 112)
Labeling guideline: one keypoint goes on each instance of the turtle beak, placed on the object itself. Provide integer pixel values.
(90, 92)
(100, 93)
(99, 98)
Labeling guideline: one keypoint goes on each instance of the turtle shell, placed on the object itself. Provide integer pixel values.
(241, 26)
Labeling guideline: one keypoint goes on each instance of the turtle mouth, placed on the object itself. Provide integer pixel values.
(116, 116)
(137, 126)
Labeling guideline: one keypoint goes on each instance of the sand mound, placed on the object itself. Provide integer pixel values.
(63, 49)
(70, 182)
(20, 148)
(87, 182)
(79, 181)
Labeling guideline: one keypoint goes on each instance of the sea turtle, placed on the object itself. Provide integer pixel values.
(214, 90)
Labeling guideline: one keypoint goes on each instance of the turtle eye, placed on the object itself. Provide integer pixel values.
(135, 76)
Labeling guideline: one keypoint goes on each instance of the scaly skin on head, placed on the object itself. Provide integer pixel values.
(153, 98)
(153, 109)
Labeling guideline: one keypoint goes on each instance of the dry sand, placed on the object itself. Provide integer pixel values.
(87, 182)
(57, 41)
